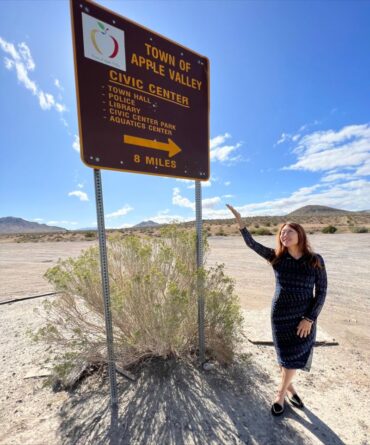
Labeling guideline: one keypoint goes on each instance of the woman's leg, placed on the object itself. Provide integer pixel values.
(290, 388)
(286, 379)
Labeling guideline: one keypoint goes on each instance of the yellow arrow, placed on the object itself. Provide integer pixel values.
(169, 146)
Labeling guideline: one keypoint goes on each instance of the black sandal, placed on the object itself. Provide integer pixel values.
(296, 401)
(277, 409)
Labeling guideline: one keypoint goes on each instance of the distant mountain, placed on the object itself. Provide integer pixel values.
(9, 224)
(147, 224)
(314, 210)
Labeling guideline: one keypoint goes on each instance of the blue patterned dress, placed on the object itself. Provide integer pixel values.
(294, 298)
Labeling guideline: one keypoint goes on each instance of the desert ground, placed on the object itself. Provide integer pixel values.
(176, 403)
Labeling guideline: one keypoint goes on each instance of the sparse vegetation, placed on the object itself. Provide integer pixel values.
(262, 231)
(153, 286)
(91, 235)
(359, 230)
(221, 232)
(312, 222)
(329, 229)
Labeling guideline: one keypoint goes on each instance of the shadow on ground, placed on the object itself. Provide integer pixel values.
(173, 402)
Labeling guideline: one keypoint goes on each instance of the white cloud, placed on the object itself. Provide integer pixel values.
(181, 201)
(61, 109)
(352, 195)
(228, 196)
(76, 143)
(58, 84)
(343, 156)
(81, 186)
(64, 223)
(224, 152)
(46, 100)
(364, 170)
(227, 183)
(26, 56)
(336, 176)
(38, 220)
(210, 203)
(81, 195)
(22, 62)
(9, 48)
(219, 140)
(164, 217)
(65, 123)
(221, 152)
(326, 150)
(283, 138)
(120, 212)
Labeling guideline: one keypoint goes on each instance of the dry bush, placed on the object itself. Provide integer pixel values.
(262, 231)
(359, 229)
(329, 229)
(153, 289)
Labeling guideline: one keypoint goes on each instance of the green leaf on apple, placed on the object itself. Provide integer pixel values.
(101, 26)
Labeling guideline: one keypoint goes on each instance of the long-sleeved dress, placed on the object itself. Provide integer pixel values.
(300, 292)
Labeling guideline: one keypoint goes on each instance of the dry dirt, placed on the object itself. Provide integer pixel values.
(178, 404)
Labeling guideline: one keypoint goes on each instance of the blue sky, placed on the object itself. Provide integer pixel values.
(289, 121)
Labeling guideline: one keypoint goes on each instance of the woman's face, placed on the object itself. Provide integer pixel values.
(288, 236)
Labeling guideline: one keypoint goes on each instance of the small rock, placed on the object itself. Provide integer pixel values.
(208, 366)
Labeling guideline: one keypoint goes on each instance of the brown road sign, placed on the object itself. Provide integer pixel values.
(143, 100)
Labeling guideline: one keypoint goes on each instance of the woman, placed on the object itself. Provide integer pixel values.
(295, 306)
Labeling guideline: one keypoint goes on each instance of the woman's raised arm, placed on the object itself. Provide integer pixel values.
(263, 251)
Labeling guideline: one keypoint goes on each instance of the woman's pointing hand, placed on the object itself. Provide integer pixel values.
(237, 216)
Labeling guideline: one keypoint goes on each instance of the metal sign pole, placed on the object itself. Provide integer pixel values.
(200, 288)
(106, 296)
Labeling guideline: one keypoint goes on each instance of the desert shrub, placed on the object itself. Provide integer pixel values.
(91, 235)
(359, 229)
(220, 232)
(262, 231)
(329, 229)
(153, 290)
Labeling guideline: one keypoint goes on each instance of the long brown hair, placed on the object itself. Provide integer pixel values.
(303, 245)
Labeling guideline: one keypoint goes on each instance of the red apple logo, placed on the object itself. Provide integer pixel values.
(103, 41)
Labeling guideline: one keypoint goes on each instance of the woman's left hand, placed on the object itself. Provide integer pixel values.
(304, 328)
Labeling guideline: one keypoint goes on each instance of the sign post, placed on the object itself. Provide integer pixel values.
(200, 287)
(106, 297)
(143, 107)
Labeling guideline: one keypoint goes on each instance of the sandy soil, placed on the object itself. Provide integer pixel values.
(23, 265)
(176, 403)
